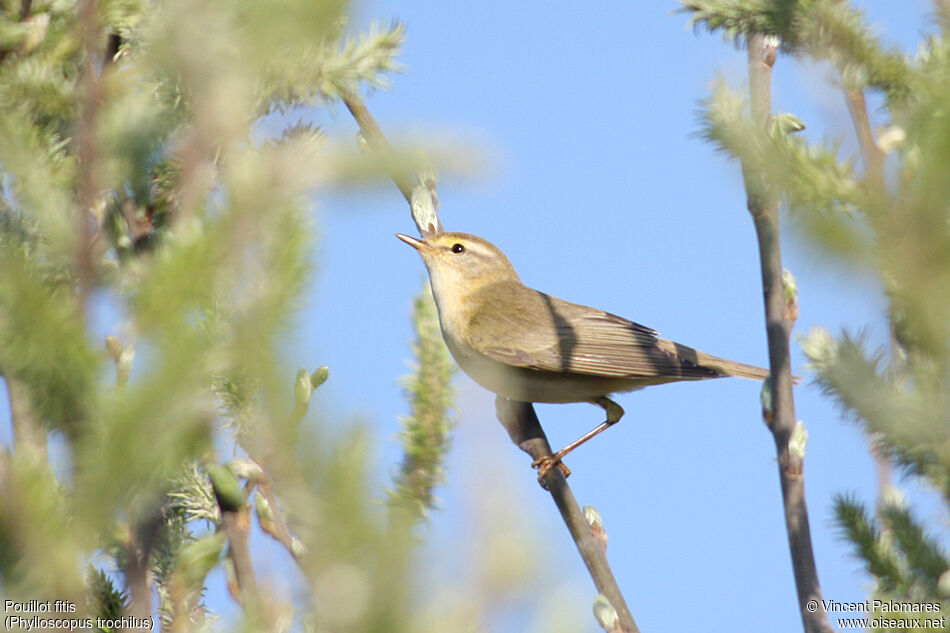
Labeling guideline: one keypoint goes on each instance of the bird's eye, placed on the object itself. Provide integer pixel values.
(458, 248)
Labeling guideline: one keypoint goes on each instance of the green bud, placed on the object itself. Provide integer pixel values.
(798, 441)
(262, 508)
(244, 468)
(227, 489)
(791, 295)
(596, 524)
(768, 411)
(943, 585)
(303, 388)
(605, 614)
(423, 209)
(265, 516)
(197, 558)
(113, 348)
(593, 517)
(790, 285)
(123, 364)
(234, 588)
(122, 357)
(320, 376)
(785, 124)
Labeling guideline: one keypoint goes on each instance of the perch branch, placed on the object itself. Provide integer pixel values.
(763, 204)
(521, 422)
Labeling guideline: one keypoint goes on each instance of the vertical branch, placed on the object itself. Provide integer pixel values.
(236, 525)
(873, 157)
(29, 435)
(522, 424)
(87, 149)
(138, 550)
(763, 204)
(872, 153)
(231, 497)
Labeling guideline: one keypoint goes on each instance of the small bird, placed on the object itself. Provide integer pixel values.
(528, 346)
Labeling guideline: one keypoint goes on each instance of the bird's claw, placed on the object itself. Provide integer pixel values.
(544, 466)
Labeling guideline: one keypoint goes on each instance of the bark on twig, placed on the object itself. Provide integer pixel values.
(29, 434)
(763, 205)
(138, 550)
(237, 526)
(279, 529)
(874, 158)
(522, 424)
(87, 147)
(378, 143)
(872, 153)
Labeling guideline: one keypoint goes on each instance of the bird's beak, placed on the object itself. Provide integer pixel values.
(417, 244)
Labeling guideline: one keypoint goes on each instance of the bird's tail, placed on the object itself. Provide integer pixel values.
(722, 366)
(731, 367)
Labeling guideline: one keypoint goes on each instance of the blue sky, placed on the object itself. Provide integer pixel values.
(599, 191)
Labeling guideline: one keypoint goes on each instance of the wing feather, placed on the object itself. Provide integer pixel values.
(548, 334)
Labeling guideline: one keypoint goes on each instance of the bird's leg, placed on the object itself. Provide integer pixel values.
(614, 413)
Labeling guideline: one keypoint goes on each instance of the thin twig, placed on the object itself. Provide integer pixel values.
(763, 205)
(29, 435)
(231, 497)
(142, 539)
(521, 422)
(872, 153)
(378, 143)
(236, 525)
(87, 147)
(874, 158)
(279, 529)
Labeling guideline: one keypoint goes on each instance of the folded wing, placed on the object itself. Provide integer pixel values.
(549, 334)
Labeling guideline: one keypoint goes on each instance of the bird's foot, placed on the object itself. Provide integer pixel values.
(613, 410)
(545, 464)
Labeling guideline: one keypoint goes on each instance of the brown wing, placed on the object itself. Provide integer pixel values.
(548, 334)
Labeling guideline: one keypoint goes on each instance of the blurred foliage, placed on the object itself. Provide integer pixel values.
(890, 219)
(425, 435)
(136, 181)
